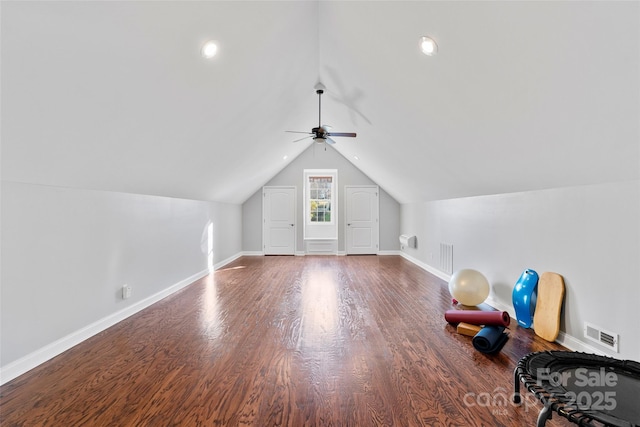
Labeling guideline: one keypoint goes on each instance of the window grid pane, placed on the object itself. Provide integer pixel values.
(320, 198)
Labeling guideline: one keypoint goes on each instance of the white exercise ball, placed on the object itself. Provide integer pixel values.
(469, 287)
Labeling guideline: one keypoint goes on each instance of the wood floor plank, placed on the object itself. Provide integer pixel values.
(286, 341)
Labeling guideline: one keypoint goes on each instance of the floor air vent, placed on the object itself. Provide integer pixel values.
(600, 336)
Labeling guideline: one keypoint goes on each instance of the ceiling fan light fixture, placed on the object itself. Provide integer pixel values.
(428, 46)
(209, 49)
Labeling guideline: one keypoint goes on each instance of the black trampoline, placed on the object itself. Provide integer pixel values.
(587, 389)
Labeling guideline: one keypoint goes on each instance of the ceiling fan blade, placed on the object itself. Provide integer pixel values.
(295, 131)
(301, 139)
(350, 134)
(329, 141)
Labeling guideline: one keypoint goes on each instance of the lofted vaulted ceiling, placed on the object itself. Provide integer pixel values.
(114, 95)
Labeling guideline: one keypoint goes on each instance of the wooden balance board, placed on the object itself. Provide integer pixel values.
(546, 319)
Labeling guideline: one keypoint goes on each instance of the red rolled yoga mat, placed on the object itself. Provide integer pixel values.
(477, 317)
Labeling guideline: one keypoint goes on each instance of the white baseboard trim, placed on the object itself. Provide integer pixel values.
(229, 260)
(499, 305)
(302, 253)
(251, 253)
(574, 344)
(389, 252)
(442, 275)
(49, 351)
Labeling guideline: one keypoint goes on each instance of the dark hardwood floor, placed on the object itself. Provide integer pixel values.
(295, 341)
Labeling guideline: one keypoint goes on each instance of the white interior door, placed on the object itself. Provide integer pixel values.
(362, 208)
(279, 220)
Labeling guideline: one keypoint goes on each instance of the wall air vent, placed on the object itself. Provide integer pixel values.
(446, 257)
(600, 336)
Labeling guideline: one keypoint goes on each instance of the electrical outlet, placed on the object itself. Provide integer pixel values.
(126, 291)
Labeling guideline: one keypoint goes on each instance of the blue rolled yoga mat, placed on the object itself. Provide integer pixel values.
(490, 339)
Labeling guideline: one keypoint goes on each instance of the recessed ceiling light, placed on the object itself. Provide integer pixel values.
(209, 49)
(356, 157)
(428, 46)
(285, 157)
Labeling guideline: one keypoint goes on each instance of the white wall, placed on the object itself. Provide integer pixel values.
(66, 254)
(589, 234)
(315, 157)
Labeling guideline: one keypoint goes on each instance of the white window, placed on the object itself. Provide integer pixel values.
(321, 203)
(320, 192)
